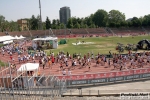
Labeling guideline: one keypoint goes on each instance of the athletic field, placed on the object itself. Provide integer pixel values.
(99, 44)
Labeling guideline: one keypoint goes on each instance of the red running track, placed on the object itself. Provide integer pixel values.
(55, 70)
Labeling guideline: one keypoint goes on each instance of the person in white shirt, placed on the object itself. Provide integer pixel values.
(75, 63)
(64, 72)
(27, 58)
(69, 72)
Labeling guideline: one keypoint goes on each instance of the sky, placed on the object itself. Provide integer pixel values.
(19, 9)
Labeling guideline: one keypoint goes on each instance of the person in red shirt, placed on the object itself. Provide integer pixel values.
(10, 57)
(61, 65)
(53, 59)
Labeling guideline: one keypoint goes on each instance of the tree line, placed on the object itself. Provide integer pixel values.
(100, 18)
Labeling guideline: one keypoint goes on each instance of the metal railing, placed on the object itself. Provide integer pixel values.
(25, 87)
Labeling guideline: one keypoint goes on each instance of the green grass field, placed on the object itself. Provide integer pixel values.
(3, 64)
(101, 44)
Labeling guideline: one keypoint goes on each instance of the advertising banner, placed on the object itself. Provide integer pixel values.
(107, 77)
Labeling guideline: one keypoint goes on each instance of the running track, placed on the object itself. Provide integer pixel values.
(56, 68)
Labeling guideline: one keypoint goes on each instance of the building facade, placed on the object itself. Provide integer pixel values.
(64, 14)
(23, 23)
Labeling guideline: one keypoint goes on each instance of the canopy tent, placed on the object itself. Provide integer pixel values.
(6, 38)
(29, 67)
(16, 37)
(29, 81)
(44, 39)
(21, 37)
(53, 39)
(7, 42)
(38, 39)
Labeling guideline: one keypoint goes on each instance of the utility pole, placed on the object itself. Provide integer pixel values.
(40, 16)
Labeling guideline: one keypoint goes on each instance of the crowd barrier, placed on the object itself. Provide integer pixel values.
(106, 77)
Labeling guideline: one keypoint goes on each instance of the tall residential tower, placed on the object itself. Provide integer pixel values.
(64, 14)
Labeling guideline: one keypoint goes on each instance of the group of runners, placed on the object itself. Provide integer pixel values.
(68, 62)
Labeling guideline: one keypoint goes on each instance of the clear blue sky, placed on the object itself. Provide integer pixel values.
(17, 9)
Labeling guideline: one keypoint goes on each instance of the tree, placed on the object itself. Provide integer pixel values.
(112, 24)
(69, 23)
(44, 25)
(82, 25)
(57, 24)
(146, 20)
(53, 24)
(92, 25)
(62, 26)
(2, 21)
(77, 25)
(13, 26)
(129, 23)
(116, 17)
(47, 23)
(34, 23)
(100, 18)
(141, 20)
(135, 22)
(123, 24)
(89, 21)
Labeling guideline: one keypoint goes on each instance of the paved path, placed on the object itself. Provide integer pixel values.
(142, 86)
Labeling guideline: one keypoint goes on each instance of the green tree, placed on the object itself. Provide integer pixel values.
(135, 22)
(77, 25)
(146, 20)
(116, 17)
(54, 25)
(62, 26)
(57, 24)
(93, 25)
(100, 18)
(123, 24)
(34, 23)
(48, 23)
(129, 23)
(69, 23)
(2, 21)
(13, 26)
(44, 25)
(82, 25)
(112, 24)
(141, 20)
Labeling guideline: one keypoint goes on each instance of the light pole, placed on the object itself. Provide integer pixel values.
(40, 16)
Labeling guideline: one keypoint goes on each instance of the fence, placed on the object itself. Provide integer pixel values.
(25, 87)
(109, 77)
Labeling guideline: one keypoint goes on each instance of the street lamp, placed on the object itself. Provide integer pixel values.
(40, 15)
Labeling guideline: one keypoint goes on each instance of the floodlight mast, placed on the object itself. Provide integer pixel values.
(40, 16)
(50, 31)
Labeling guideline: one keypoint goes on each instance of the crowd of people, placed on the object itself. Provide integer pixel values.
(117, 62)
(67, 62)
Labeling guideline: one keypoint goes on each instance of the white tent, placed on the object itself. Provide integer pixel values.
(36, 39)
(29, 81)
(21, 37)
(29, 67)
(54, 39)
(6, 38)
(16, 37)
(7, 42)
